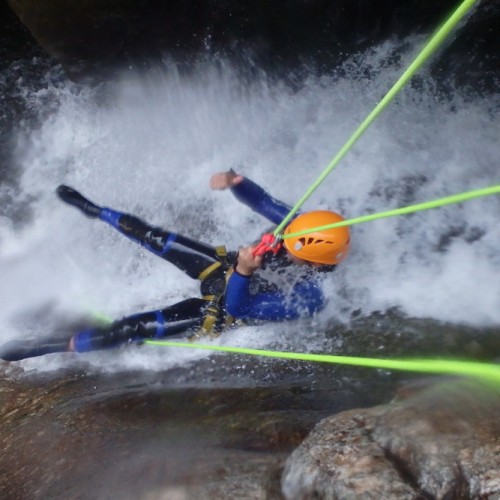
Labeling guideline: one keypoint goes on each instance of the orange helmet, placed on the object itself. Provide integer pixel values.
(327, 246)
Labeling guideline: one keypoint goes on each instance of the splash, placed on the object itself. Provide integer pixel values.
(148, 145)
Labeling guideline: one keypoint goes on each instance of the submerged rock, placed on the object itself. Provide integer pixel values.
(442, 443)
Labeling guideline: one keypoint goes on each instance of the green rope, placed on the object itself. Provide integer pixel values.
(484, 371)
(426, 52)
(457, 198)
(480, 370)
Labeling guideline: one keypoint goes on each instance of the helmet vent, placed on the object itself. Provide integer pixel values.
(299, 243)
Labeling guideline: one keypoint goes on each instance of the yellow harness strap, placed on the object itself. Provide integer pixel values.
(222, 254)
(209, 270)
(221, 251)
(213, 311)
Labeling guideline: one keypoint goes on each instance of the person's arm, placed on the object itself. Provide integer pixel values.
(305, 299)
(252, 195)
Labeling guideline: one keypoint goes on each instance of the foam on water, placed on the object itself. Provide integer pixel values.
(148, 145)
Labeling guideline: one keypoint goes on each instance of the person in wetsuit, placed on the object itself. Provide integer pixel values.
(234, 286)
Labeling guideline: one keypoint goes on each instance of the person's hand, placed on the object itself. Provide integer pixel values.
(224, 180)
(247, 262)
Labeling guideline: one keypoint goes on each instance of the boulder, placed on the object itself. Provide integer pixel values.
(442, 443)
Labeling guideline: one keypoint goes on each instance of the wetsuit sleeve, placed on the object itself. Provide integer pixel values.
(252, 195)
(305, 299)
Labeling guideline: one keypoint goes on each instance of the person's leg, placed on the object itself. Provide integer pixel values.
(16, 350)
(189, 255)
(182, 317)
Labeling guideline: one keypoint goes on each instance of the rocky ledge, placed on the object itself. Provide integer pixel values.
(443, 443)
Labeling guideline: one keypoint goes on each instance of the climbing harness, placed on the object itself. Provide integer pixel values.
(213, 324)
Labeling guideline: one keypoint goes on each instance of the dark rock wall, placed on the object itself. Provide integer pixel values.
(92, 37)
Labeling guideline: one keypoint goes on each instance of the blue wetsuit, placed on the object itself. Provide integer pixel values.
(251, 296)
(280, 290)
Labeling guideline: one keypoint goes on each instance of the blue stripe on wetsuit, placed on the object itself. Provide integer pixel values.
(260, 201)
(305, 299)
(112, 217)
(168, 244)
(160, 329)
(82, 341)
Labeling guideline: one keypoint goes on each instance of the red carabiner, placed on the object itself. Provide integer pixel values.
(268, 243)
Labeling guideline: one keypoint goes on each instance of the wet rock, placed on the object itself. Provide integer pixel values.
(183, 434)
(442, 443)
(341, 460)
(223, 426)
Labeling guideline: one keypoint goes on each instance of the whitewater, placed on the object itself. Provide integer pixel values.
(148, 143)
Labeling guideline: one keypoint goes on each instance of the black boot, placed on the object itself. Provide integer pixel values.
(22, 349)
(72, 197)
